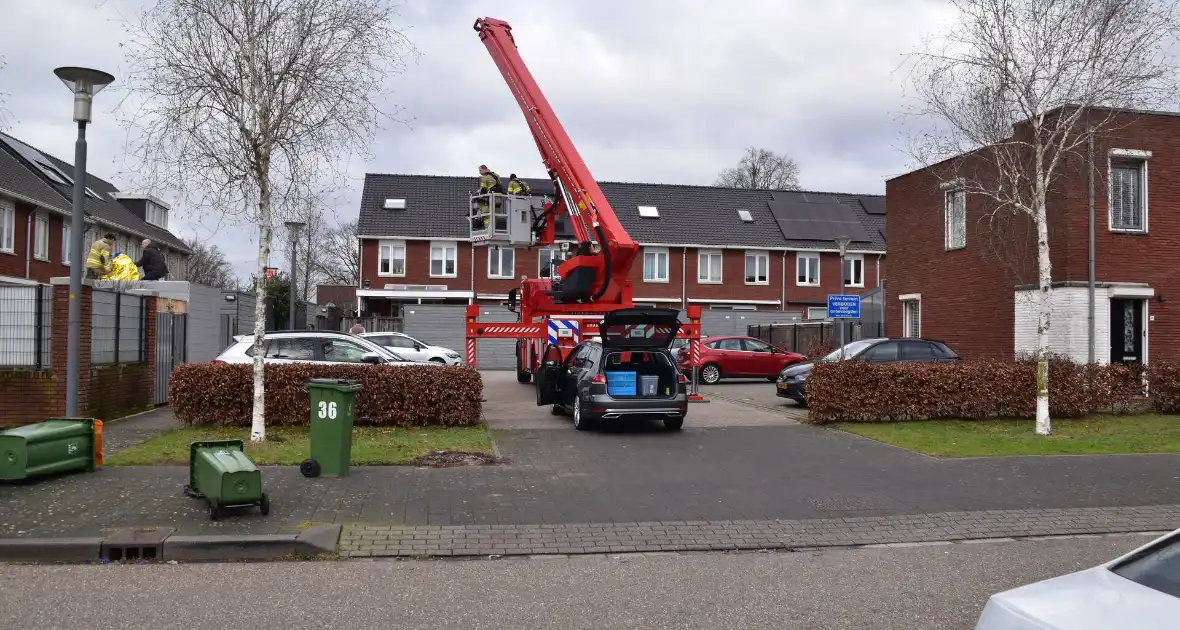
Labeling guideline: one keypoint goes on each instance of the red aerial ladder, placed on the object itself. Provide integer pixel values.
(592, 279)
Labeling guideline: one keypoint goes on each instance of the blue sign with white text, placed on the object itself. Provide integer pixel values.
(844, 306)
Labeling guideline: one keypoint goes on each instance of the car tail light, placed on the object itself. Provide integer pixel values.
(216, 361)
(681, 378)
(598, 380)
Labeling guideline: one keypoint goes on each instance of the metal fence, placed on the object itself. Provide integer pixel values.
(811, 338)
(118, 332)
(26, 317)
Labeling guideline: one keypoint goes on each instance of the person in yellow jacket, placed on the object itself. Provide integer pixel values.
(98, 261)
(489, 182)
(518, 186)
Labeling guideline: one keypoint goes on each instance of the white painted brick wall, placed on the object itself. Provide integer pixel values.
(1068, 324)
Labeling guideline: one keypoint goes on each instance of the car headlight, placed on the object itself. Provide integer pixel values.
(799, 378)
(452, 355)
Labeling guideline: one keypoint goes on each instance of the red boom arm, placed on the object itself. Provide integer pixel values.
(576, 192)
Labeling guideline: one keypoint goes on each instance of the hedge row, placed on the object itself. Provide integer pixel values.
(395, 396)
(855, 391)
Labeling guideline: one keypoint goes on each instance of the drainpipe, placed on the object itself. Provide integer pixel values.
(783, 304)
(472, 300)
(878, 270)
(29, 246)
(683, 277)
(1090, 322)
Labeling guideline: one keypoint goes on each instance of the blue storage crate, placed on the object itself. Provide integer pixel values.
(620, 383)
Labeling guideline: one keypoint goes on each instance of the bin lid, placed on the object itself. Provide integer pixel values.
(339, 384)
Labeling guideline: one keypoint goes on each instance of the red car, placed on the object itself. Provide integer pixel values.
(736, 357)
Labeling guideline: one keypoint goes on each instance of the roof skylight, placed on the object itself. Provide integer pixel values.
(649, 212)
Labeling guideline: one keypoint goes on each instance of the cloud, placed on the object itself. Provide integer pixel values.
(655, 91)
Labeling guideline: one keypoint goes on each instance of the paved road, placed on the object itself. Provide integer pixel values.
(917, 588)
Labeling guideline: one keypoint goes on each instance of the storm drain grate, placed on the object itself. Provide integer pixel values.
(135, 544)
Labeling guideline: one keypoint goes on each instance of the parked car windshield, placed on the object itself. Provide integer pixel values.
(1156, 568)
(850, 350)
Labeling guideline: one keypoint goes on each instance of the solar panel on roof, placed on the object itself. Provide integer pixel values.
(824, 220)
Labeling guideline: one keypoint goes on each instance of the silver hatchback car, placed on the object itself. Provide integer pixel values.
(313, 346)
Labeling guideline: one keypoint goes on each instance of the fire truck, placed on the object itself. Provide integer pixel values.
(560, 311)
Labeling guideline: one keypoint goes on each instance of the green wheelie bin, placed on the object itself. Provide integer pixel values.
(220, 473)
(333, 412)
(46, 448)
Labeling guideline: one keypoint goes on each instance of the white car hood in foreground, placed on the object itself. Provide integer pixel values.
(1094, 599)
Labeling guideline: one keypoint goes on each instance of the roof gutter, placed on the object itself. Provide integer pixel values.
(19, 197)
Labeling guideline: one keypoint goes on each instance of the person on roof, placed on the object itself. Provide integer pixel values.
(518, 186)
(98, 260)
(152, 261)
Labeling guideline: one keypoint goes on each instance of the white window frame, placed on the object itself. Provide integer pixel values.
(449, 251)
(760, 256)
(41, 237)
(555, 253)
(652, 274)
(706, 254)
(1140, 158)
(954, 222)
(391, 247)
(909, 300)
(855, 261)
(157, 215)
(821, 309)
(497, 254)
(7, 226)
(800, 259)
(66, 259)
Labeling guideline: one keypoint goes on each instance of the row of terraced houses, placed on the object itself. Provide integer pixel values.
(952, 273)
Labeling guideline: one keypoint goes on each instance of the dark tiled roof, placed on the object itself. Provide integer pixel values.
(54, 195)
(18, 180)
(688, 215)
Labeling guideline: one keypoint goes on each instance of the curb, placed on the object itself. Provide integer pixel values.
(313, 541)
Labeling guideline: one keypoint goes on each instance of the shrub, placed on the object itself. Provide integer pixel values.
(855, 391)
(397, 396)
(1164, 379)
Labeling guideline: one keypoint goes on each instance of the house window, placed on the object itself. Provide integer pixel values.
(655, 264)
(157, 215)
(444, 259)
(709, 266)
(65, 243)
(817, 312)
(548, 260)
(1128, 195)
(911, 318)
(854, 270)
(7, 226)
(391, 258)
(41, 238)
(501, 262)
(757, 267)
(955, 219)
(807, 270)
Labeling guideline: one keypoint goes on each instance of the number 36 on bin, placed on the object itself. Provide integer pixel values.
(328, 410)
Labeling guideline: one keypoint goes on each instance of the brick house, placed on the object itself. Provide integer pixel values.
(959, 276)
(718, 248)
(36, 190)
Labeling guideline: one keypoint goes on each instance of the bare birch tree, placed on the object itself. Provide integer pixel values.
(251, 105)
(208, 266)
(1018, 86)
(761, 169)
(5, 115)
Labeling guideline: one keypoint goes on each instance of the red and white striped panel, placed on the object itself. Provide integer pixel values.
(510, 329)
(471, 352)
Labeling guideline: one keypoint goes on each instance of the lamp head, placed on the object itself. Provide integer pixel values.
(842, 242)
(84, 83)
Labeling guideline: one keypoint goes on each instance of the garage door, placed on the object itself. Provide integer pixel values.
(719, 323)
(444, 325)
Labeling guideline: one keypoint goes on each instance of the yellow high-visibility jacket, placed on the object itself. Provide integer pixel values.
(518, 187)
(489, 182)
(99, 258)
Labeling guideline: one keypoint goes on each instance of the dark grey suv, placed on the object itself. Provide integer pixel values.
(628, 373)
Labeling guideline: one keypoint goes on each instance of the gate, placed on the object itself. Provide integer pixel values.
(171, 335)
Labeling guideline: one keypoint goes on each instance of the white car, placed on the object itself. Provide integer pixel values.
(1139, 590)
(312, 346)
(414, 349)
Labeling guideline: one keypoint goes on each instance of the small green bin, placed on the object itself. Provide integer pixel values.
(333, 412)
(220, 473)
(46, 448)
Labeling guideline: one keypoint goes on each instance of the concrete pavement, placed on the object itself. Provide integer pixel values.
(915, 588)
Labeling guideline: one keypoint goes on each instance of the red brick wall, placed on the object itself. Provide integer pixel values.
(417, 266)
(14, 264)
(104, 392)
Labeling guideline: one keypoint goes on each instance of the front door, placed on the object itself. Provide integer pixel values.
(1126, 330)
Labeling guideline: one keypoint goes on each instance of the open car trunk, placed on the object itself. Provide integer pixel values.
(632, 374)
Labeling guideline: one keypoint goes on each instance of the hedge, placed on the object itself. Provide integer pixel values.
(395, 396)
(856, 391)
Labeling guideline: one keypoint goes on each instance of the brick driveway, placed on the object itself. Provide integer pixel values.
(758, 393)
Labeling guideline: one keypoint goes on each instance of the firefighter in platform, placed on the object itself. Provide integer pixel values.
(489, 182)
(517, 186)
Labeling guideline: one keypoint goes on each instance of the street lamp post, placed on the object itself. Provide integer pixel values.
(293, 228)
(84, 83)
(842, 242)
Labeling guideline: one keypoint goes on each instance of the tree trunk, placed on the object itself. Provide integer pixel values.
(1044, 309)
(265, 233)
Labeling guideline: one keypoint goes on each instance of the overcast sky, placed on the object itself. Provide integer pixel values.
(650, 91)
